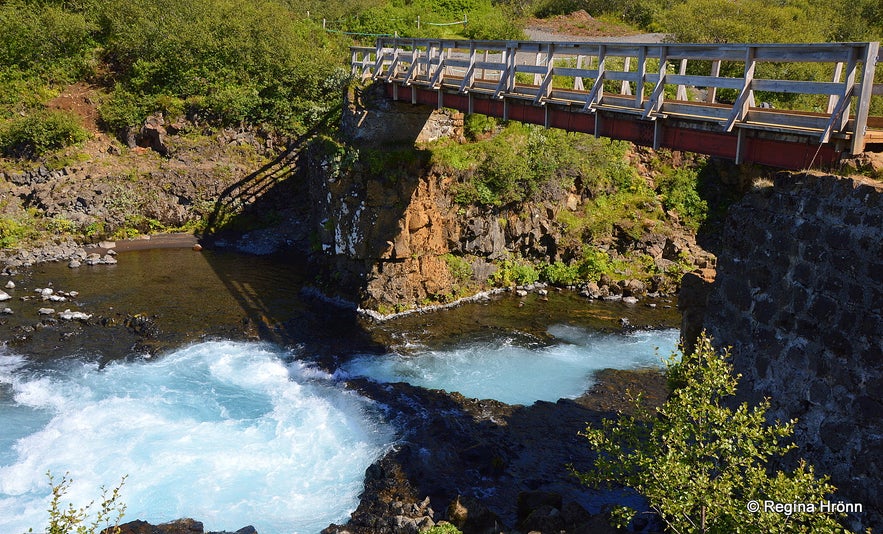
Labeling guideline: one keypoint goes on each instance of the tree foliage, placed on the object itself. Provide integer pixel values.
(71, 520)
(700, 462)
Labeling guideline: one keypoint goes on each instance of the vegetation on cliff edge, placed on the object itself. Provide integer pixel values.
(705, 466)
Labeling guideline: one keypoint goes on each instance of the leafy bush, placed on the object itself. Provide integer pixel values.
(71, 520)
(559, 274)
(11, 232)
(701, 463)
(443, 528)
(680, 194)
(36, 134)
(593, 264)
(45, 40)
(459, 268)
(514, 272)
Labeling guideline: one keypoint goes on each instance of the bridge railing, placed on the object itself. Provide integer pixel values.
(651, 81)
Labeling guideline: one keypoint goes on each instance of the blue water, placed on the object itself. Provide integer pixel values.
(508, 372)
(236, 433)
(228, 433)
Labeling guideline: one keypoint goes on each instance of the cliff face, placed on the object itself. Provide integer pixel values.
(798, 296)
(386, 219)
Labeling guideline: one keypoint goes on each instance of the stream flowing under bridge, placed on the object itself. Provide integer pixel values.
(704, 98)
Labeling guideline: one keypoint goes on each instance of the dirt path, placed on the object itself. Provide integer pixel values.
(580, 26)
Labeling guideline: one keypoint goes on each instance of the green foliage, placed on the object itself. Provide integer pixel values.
(36, 134)
(559, 273)
(477, 126)
(459, 268)
(757, 21)
(12, 231)
(71, 520)
(230, 60)
(517, 163)
(443, 528)
(700, 462)
(514, 272)
(679, 193)
(46, 40)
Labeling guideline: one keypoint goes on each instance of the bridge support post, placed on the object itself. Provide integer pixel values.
(864, 99)
(740, 136)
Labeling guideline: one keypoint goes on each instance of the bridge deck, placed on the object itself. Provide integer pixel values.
(654, 94)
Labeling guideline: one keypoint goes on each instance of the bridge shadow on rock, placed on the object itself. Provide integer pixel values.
(336, 215)
(258, 238)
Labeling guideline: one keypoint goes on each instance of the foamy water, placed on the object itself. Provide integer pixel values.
(514, 374)
(225, 432)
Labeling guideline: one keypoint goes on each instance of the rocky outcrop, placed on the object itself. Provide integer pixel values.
(489, 467)
(180, 526)
(798, 296)
(388, 239)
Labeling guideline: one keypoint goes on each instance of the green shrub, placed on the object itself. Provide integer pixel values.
(12, 231)
(514, 272)
(46, 41)
(36, 134)
(593, 264)
(702, 461)
(680, 194)
(459, 268)
(71, 520)
(443, 528)
(560, 274)
(477, 126)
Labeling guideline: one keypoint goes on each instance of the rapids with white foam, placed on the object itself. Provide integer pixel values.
(239, 433)
(514, 374)
(229, 433)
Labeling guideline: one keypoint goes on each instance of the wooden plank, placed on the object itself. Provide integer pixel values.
(639, 83)
(577, 72)
(786, 119)
(682, 88)
(619, 76)
(707, 52)
(840, 113)
(625, 88)
(531, 69)
(705, 81)
(698, 113)
(712, 91)
(819, 53)
(798, 87)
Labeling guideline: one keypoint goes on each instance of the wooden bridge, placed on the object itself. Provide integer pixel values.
(693, 97)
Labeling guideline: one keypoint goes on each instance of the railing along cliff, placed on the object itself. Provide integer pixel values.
(649, 83)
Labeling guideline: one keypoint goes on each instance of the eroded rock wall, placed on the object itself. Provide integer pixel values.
(798, 295)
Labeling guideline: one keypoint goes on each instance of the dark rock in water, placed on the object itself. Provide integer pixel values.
(546, 518)
(181, 526)
(141, 325)
(528, 501)
(472, 517)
